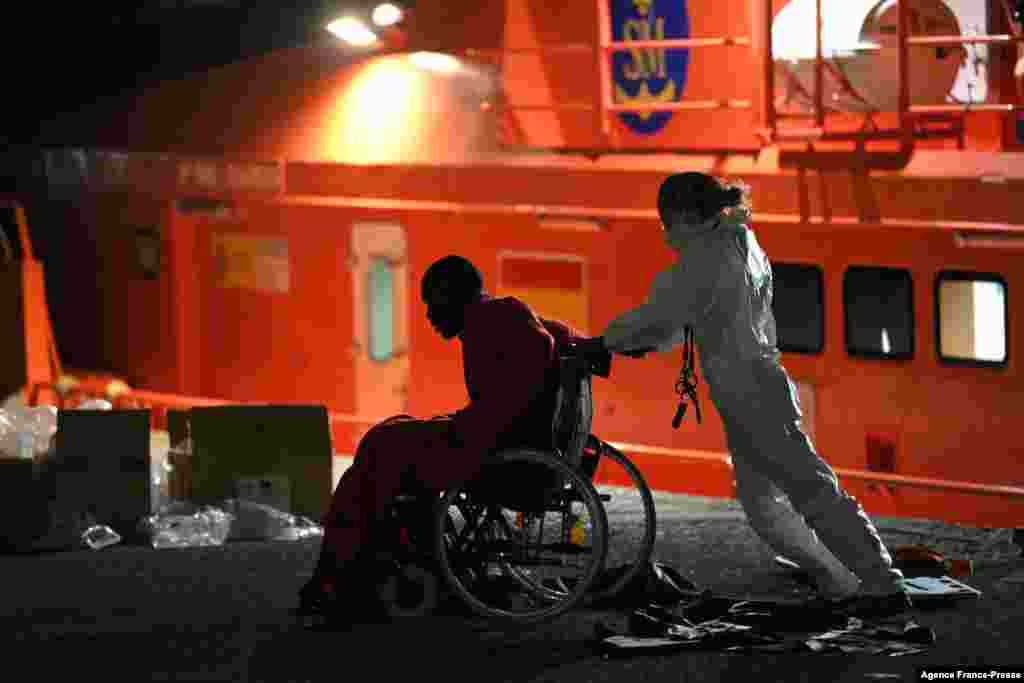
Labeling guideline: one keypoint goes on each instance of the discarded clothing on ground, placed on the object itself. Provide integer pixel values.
(718, 623)
(657, 584)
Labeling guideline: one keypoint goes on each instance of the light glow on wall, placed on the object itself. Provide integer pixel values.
(381, 113)
(435, 61)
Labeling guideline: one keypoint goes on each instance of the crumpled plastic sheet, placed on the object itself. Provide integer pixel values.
(183, 525)
(25, 432)
(69, 529)
(99, 536)
(256, 521)
(715, 623)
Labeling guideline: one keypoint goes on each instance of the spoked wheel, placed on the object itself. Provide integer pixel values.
(629, 506)
(512, 558)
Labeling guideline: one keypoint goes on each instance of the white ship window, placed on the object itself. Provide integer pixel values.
(971, 316)
(798, 302)
(879, 312)
(381, 291)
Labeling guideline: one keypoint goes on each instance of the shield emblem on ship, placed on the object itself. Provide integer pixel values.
(648, 75)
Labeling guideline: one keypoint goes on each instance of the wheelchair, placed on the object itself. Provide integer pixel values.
(529, 537)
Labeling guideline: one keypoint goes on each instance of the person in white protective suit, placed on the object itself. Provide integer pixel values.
(721, 289)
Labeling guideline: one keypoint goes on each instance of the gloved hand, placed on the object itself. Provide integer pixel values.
(597, 356)
(592, 347)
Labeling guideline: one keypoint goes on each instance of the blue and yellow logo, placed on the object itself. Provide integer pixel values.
(644, 76)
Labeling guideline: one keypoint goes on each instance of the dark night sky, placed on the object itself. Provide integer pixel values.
(59, 58)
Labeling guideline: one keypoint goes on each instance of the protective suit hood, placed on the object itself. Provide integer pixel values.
(680, 234)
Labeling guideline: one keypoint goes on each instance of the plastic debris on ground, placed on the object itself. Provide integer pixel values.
(930, 588)
(184, 525)
(711, 622)
(69, 529)
(257, 521)
(99, 536)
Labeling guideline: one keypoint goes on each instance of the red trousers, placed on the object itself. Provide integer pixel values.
(398, 450)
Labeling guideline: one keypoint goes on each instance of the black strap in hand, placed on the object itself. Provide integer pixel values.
(686, 385)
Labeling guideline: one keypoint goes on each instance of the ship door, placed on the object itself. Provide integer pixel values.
(380, 290)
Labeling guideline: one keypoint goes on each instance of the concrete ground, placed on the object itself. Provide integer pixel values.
(131, 613)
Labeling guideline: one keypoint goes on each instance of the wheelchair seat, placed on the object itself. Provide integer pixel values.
(527, 487)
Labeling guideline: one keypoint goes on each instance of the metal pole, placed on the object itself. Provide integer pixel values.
(761, 20)
(604, 25)
(903, 58)
(819, 80)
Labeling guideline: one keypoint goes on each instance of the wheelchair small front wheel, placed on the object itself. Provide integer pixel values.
(521, 556)
(412, 591)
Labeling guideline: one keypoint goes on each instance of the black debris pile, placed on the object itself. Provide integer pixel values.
(712, 622)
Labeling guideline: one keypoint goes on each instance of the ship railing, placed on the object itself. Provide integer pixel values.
(907, 114)
(760, 40)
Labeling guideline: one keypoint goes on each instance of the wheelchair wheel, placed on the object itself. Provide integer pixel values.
(629, 507)
(524, 559)
(412, 591)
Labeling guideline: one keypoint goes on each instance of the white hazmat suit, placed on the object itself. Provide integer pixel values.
(721, 286)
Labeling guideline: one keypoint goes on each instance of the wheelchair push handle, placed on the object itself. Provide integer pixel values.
(597, 361)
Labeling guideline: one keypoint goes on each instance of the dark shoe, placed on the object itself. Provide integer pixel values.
(321, 610)
(313, 600)
(869, 606)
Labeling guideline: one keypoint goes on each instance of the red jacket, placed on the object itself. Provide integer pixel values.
(509, 358)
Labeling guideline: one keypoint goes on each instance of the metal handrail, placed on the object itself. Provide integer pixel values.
(960, 40)
(675, 43)
(605, 47)
(905, 131)
(874, 477)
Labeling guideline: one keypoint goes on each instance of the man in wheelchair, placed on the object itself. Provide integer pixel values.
(510, 359)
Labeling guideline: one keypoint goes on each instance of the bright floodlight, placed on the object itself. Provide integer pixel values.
(387, 14)
(352, 31)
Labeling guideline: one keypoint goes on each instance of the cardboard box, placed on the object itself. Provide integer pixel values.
(287, 446)
(102, 466)
(23, 514)
(271, 490)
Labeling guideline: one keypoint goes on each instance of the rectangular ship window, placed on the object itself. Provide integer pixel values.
(879, 305)
(553, 285)
(381, 288)
(971, 317)
(798, 303)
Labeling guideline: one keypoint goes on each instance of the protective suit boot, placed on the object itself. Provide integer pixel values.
(846, 530)
(784, 530)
